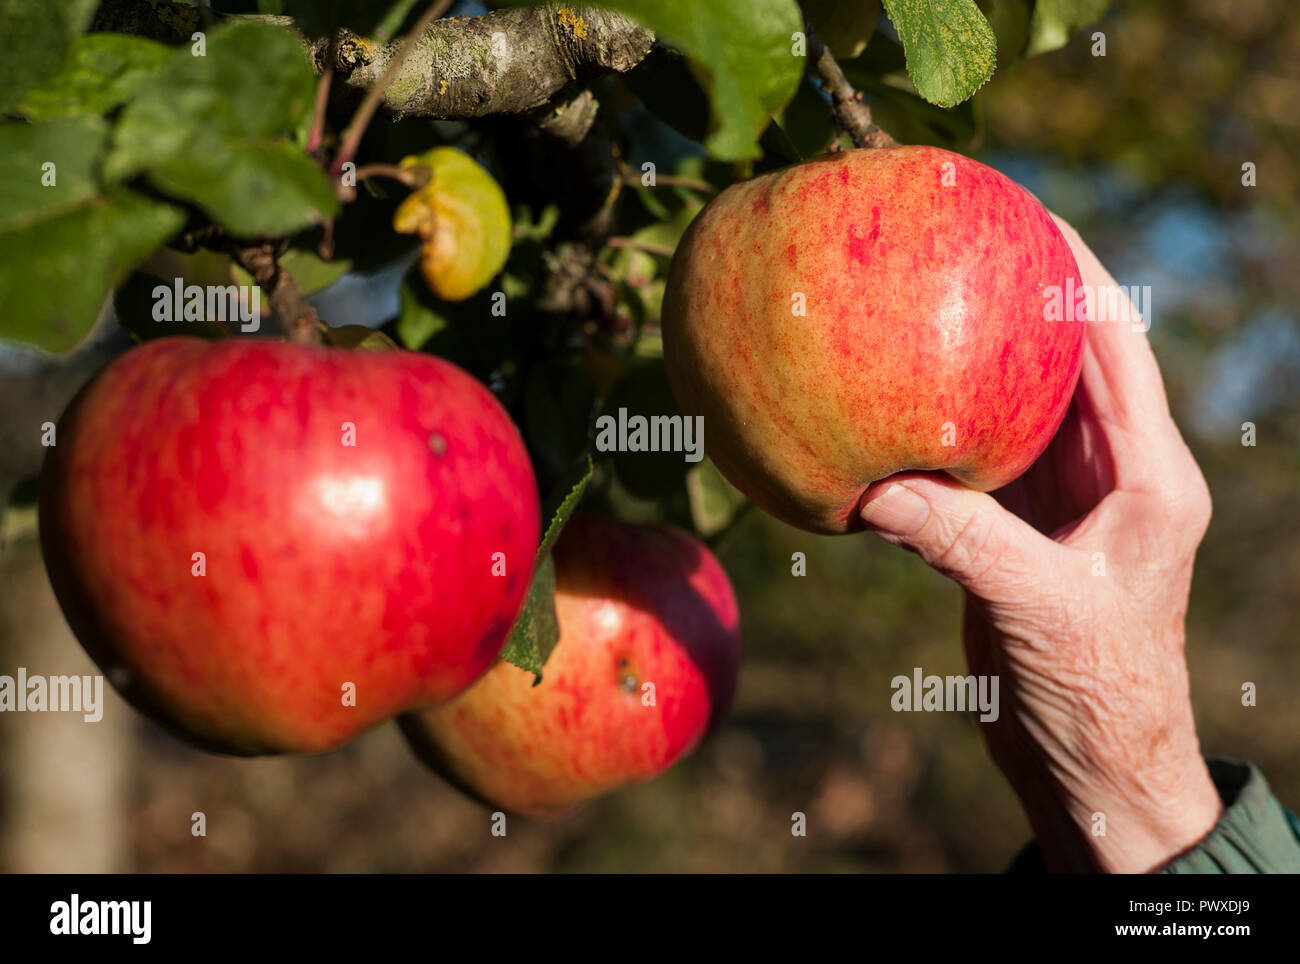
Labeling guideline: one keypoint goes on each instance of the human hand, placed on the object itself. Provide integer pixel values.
(1077, 578)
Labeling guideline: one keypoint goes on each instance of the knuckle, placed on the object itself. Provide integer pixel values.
(1202, 505)
(1186, 508)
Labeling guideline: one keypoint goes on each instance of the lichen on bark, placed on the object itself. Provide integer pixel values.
(505, 62)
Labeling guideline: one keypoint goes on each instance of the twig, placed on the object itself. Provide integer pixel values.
(322, 97)
(361, 119)
(301, 323)
(649, 247)
(325, 248)
(415, 177)
(672, 180)
(851, 115)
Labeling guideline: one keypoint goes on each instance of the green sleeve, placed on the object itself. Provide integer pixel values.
(1255, 835)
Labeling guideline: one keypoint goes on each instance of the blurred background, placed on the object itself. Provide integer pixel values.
(1143, 150)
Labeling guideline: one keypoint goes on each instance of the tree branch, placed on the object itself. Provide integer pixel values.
(505, 62)
(300, 322)
(357, 126)
(851, 115)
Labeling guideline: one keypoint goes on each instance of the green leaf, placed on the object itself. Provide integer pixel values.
(38, 34)
(950, 47)
(253, 84)
(71, 147)
(250, 189)
(216, 129)
(310, 272)
(464, 332)
(420, 319)
(102, 72)
(539, 229)
(358, 338)
(65, 243)
(714, 500)
(667, 233)
(740, 51)
(537, 629)
(1054, 20)
(559, 505)
(58, 271)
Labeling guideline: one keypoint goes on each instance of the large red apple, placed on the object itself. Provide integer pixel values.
(349, 509)
(868, 313)
(646, 661)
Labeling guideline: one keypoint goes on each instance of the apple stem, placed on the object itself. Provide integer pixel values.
(414, 176)
(851, 115)
(299, 319)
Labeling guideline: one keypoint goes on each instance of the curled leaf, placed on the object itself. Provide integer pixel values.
(462, 220)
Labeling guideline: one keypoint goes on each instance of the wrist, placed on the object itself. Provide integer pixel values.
(1147, 831)
(1130, 826)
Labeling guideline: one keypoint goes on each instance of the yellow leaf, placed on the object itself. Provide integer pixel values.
(462, 220)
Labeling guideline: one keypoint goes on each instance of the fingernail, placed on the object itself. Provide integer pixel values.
(897, 510)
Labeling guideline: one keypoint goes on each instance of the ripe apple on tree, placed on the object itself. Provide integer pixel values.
(646, 662)
(273, 547)
(868, 313)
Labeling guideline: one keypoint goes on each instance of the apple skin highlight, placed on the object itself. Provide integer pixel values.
(924, 343)
(323, 563)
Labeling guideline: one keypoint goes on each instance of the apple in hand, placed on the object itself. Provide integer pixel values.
(646, 661)
(869, 313)
(273, 547)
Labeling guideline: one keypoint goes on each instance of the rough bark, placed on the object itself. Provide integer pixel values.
(505, 62)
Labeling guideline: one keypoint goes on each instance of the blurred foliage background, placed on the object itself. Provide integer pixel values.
(1142, 150)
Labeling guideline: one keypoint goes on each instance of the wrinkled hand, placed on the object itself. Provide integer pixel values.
(1077, 578)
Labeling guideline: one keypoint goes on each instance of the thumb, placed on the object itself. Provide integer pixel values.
(965, 535)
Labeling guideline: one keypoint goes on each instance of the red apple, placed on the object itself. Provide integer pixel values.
(646, 661)
(348, 507)
(869, 313)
